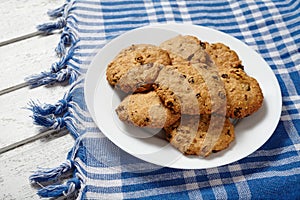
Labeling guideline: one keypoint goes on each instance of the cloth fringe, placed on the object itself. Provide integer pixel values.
(61, 70)
(59, 115)
(58, 12)
(48, 109)
(68, 37)
(56, 116)
(51, 26)
(56, 190)
(43, 175)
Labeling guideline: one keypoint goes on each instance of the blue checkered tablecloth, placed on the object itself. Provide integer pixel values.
(103, 171)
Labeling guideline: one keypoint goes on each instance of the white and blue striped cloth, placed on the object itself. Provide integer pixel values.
(103, 171)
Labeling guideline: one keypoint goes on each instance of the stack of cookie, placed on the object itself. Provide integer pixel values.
(189, 88)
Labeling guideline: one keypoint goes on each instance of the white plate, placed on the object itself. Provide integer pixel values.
(251, 133)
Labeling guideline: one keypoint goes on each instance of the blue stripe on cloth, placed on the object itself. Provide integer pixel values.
(107, 172)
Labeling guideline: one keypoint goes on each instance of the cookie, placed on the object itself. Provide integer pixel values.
(135, 56)
(145, 110)
(222, 55)
(191, 89)
(200, 135)
(187, 48)
(139, 78)
(242, 93)
(195, 65)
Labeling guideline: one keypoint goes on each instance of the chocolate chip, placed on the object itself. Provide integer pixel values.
(203, 45)
(228, 133)
(182, 76)
(140, 59)
(240, 66)
(224, 76)
(191, 80)
(198, 95)
(237, 111)
(170, 104)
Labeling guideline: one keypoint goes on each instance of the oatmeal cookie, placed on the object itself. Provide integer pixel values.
(135, 56)
(200, 135)
(242, 93)
(222, 55)
(145, 110)
(195, 65)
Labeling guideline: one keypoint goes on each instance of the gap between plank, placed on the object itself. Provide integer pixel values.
(22, 37)
(32, 139)
(26, 36)
(13, 88)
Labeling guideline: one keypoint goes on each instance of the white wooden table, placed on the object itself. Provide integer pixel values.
(24, 146)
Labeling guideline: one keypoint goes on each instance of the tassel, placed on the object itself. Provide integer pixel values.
(57, 12)
(57, 190)
(51, 26)
(57, 123)
(59, 72)
(46, 78)
(49, 121)
(60, 11)
(43, 175)
(55, 67)
(67, 38)
(47, 109)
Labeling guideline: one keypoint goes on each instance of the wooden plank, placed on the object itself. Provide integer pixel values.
(15, 121)
(22, 59)
(18, 165)
(20, 17)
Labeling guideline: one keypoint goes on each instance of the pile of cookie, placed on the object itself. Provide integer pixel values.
(190, 88)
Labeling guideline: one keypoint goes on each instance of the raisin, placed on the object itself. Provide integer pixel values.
(215, 77)
(222, 95)
(190, 57)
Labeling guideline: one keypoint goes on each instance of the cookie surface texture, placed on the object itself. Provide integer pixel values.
(241, 92)
(222, 55)
(195, 65)
(145, 110)
(192, 135)
(135, 56)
